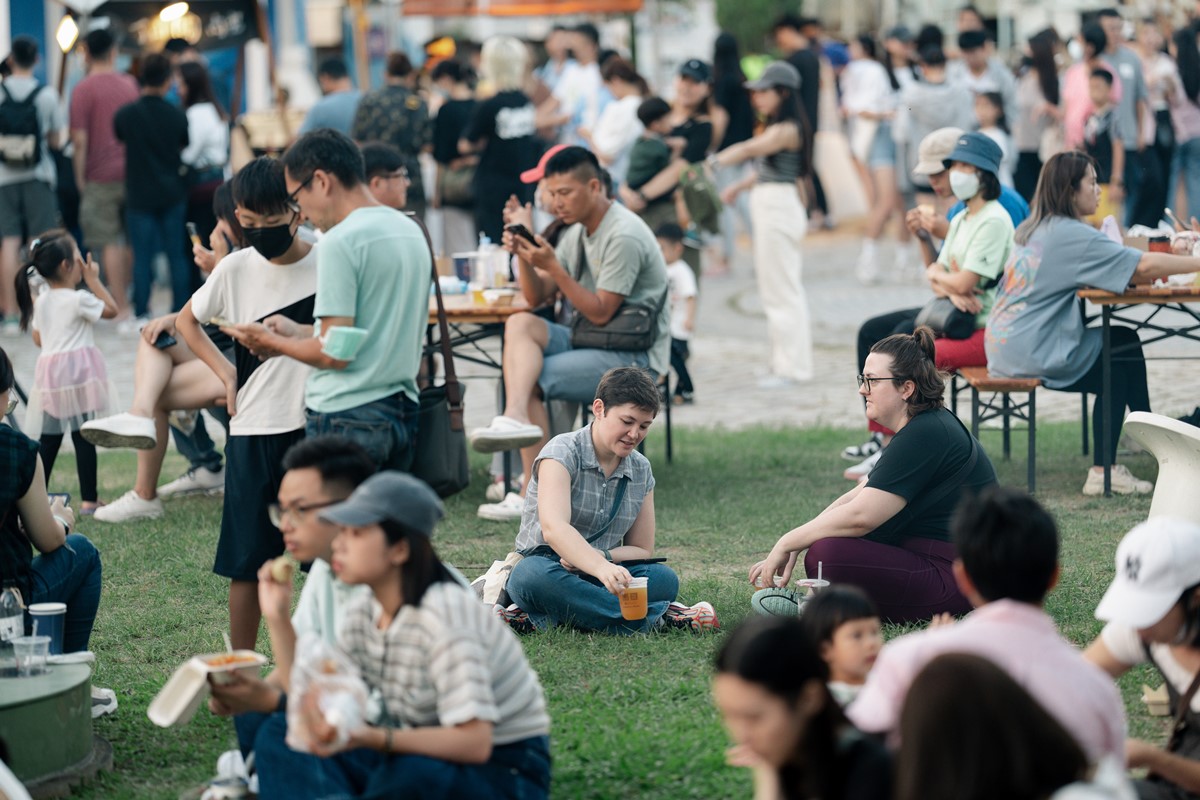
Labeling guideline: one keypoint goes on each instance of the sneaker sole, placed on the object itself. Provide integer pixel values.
(498, 444)
(137, 518)
(102, 438)
(496, 516)
(164, 495)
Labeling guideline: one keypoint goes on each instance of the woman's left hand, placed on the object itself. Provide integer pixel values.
(966, 303)
(777, 564)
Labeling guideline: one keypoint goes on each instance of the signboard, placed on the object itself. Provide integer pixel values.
(517, 8)
(207, 24)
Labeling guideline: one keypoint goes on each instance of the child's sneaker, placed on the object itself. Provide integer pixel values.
(700, 617)
(514, 618)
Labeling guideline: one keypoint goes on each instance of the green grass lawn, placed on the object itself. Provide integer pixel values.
(631, 717)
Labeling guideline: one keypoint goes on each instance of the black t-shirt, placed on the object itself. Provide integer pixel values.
(506, 122)
(860, 770)
(808, 64)
(699, 135)
(448, 127)
(1098, 140)
(155, 133)
(924, 455)
(18, 463)
(732, 96)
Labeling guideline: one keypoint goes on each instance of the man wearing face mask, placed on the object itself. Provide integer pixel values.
(275, 276)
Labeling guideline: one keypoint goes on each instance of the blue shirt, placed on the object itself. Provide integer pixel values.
(333, 111)
(1013, 203)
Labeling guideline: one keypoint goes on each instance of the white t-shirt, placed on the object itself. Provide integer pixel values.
(616, 130)
(323, 602)
(682, 281)
(245, 287)
(1126, 647)
(579, 93)
(208, 138)
(64, 319)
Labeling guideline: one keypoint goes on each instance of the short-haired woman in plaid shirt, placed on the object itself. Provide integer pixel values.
(460, 713)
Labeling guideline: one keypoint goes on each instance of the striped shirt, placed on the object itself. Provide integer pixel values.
(592, 492)
(446, 662)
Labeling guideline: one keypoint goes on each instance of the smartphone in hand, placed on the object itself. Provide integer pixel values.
(518, 229)
(64, 496)
(165, 340)
(193, 234)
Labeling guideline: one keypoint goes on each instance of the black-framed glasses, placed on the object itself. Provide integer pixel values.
(400, 174)
(276, 512)
(293, 199)
(868, 381)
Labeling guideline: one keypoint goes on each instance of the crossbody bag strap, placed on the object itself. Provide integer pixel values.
(1185, 704)
(955, 481)
(454, 394)
(612, 514)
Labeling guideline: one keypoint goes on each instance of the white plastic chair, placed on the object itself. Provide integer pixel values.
(1176, 445)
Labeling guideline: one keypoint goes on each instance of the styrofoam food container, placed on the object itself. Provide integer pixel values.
(176, 703)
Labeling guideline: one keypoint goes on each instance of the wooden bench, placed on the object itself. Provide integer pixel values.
(1000, 405)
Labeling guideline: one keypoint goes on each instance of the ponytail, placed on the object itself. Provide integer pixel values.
(46, 256)
(914, 359)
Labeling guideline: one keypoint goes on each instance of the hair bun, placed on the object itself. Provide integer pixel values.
(924, 338)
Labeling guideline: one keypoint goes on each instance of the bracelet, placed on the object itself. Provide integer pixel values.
(642, 196)
(608, 555)
(387, 740)
(63, 522)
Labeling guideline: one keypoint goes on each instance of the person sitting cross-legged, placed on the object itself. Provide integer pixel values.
(590, 507)
(608, 259)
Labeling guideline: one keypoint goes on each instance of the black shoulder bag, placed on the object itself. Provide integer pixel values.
(632, 328)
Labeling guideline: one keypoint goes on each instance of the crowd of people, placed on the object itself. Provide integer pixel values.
(299, 306)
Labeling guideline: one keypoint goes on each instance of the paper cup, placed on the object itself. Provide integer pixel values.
(50, 619)
(343, 343)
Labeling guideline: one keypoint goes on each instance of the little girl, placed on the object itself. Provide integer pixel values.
(71, 383)
(989, 112)
(844, 624)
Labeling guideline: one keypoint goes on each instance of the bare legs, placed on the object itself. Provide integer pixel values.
(244, 614)
(525, 340)
(10, 250)
(116, 272)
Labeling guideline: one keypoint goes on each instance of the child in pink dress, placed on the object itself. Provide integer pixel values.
(71, 383)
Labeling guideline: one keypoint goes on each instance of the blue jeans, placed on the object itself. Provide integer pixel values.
(197, 447)
(572, 374)
(552, 595)
(71, 575)
(385, 428)
(1187, 160)
(151, 233)
(518, 771)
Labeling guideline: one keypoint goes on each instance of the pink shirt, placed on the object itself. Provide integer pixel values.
(1077, 101)
(94, 103)
(1023, 640)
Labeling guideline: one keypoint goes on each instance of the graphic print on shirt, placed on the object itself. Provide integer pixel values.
(300, 312)
(1019, 278)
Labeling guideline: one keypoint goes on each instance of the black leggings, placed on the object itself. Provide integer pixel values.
(85, 461)
(1129, 389)
(881, 327)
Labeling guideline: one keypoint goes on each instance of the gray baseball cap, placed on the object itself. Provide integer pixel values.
(777, 73)
(394, 496)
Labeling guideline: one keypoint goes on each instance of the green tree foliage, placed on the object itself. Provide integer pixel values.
(750, 21)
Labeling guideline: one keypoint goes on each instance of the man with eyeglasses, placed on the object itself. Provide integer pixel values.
(387, 176)
(373, 274)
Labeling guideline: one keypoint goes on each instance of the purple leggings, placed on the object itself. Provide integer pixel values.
(909, 582)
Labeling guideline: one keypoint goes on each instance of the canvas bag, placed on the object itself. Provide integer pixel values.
(440, 455)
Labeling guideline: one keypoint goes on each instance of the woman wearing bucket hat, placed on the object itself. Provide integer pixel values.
(970, 263)
(1152, 609)
(783, 153)
(459, 711)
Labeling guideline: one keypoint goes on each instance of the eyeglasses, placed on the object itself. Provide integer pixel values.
(293, 199)
(276, 512)
(868, 381)
(400, 174)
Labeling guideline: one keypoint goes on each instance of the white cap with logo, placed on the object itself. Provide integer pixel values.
(1156, 562)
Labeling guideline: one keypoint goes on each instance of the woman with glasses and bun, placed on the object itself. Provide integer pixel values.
(67, 567)
(890, 534)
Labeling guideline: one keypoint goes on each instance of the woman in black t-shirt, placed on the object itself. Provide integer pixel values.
(454, 168)
(771, 690)
(502, 131)
(890, 534)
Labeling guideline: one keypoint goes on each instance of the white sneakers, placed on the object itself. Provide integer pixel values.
(1123, 482)
(866, 269)
(120, 430)
(128, 508)
(862, 470)
(505, 433)
(197, 480)
(506, 510)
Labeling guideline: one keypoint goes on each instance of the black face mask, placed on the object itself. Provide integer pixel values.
(270, 242)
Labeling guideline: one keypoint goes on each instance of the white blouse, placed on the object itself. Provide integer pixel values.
(208, 138)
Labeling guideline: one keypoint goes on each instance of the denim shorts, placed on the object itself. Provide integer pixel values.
(385, 428)
(883, 148)
(573, 375)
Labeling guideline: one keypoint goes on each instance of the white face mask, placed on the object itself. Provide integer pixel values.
(1075, 50)
(965, 185)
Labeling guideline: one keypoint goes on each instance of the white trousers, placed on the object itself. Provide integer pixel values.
(780, 223)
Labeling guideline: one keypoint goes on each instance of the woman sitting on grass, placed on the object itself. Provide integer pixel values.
(771, 690)
(890, 534)
(460, 711)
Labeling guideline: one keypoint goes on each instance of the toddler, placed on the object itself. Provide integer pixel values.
(682, 286)
(845, 625)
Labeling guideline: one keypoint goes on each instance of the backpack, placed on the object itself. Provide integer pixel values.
(20, 130)
(701, 198)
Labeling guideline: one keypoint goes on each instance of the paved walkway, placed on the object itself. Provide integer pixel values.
(729, 350)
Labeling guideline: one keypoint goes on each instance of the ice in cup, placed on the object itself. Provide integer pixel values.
(31, 652)
(633, 599)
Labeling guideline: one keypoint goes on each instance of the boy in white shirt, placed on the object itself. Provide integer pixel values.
(682, 283)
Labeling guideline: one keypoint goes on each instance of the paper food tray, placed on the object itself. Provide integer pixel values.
(177, 702)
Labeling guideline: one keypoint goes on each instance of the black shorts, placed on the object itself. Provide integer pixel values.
(253, 470)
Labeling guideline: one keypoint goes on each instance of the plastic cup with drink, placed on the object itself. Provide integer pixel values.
(634, 599)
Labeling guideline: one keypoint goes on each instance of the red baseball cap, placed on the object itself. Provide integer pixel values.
(537, 173)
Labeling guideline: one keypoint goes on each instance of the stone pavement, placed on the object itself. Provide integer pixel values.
(729, 350)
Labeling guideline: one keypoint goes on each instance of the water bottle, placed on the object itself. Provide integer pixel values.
(12, 625)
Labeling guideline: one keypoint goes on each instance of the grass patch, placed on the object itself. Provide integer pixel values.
(631, 717)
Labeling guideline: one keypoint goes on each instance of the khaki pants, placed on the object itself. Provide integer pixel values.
(780, 223)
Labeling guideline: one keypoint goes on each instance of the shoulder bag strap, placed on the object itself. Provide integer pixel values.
(1185, 704)
(454, 394)
(612, 514)
(953, 483)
